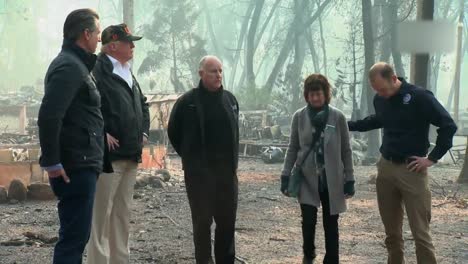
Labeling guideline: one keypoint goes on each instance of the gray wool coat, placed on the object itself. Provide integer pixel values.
(338, 158)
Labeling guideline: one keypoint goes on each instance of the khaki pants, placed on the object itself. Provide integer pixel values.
(397, 186)
(108, 243)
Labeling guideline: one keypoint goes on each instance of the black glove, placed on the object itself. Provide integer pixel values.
(349, 188)
(284, 184)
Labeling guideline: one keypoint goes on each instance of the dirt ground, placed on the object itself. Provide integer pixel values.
(268, 225)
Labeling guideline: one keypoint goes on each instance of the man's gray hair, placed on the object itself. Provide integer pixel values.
(106, 47)
(203, 60)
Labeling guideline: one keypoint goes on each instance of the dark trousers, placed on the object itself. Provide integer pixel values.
(330, 226)
(75, 208)
(213, 195)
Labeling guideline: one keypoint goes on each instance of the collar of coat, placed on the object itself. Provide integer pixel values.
(105, 62)
(205, 91)
(87, 58)
(108, 67)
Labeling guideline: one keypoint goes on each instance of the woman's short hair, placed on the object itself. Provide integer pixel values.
(317, 82)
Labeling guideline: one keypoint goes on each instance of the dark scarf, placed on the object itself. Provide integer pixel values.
(87, 58)
(319, 119)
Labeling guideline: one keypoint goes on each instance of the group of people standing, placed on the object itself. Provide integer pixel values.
(405, 112)
(94, 122)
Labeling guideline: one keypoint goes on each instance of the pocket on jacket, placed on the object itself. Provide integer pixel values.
(96, 142)
(93, 93)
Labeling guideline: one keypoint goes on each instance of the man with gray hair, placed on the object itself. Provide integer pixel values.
(203, 129)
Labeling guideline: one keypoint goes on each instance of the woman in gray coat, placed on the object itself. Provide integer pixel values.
(327, 169)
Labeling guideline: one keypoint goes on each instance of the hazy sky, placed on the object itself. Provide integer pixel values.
(53, 13)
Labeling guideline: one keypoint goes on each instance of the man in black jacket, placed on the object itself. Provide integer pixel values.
(71, 133)
(405, 112)
(126, 119)
(203, 129)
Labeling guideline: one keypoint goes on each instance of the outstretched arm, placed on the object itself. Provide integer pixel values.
(369, 123)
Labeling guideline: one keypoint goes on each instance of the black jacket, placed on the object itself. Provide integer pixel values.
(405, 119)
(186, 128)
(70, 121)
(125, 111)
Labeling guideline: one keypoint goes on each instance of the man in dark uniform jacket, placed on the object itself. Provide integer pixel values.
(203, 129)
(405, 112)
(71, 133)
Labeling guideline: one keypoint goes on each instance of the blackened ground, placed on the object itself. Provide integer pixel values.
(268, 226)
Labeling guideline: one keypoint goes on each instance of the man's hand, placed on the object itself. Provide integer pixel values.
(112, 142)
(284, 185)
(145, 140)
(419, 164)
(59, 173)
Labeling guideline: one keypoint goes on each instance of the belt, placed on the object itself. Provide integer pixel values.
(395, 159)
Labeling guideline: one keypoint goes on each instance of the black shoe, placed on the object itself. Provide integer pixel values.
(306, 260)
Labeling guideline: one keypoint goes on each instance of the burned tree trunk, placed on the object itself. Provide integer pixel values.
(265, 24)
(175, 80)
(396, 55)
(356, 114)
(452, 87)
(258, 38)
(437, 58)
(240, 42)
(250, 47)
(128, 13)
(289, 43)
(369, 57)
(313, 50)
(463, 178)
(295, 72)
(458, 62)
(384, 29)
(322, 39)
(209, 24)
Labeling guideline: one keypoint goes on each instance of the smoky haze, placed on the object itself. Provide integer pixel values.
(268, 47)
